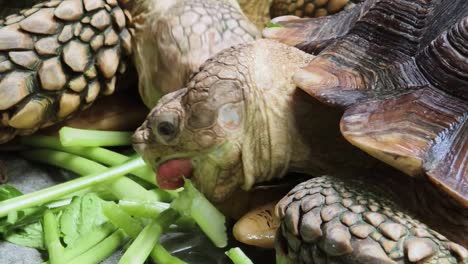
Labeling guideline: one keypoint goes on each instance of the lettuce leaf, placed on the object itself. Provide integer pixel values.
(28, 236)
(81, 217)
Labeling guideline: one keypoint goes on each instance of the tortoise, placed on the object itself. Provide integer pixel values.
(58, 57)
(372, 103)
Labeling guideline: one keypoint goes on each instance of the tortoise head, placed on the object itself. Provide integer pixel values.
(228, 128)
(196, 134)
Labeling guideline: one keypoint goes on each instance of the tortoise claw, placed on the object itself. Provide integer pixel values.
(258, 227)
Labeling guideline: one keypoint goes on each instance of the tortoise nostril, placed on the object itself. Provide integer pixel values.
(166, 128)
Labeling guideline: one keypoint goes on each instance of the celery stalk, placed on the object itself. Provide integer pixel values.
(123, 188)
(60, 190)
(141, 248)
(101, 155)
(102, 250)
(94, 138)
(121, 219)
(85, 243)
(52, 237)
(193, 204)
(237, 256)
(161, 256)
(130, 226)
(142, 209)
(64, 160)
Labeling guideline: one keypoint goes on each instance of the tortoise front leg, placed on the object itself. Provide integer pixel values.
(327, 220)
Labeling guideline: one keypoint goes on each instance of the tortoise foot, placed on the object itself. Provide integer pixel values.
(327, 220)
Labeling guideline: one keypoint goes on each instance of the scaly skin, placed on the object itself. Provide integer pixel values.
(241, 121)
(173, 38)
(55, 58)
(58, 57)
(347, 221)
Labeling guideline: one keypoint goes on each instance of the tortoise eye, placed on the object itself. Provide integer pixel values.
(166, 128)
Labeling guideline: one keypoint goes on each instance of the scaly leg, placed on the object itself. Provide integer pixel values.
(328, 220)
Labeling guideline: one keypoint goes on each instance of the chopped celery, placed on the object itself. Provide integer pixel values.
(97, 154)
(119, 218)
(238, 256)
(143, 209)
(141, 248)
(94, 240)
(64, 160)
(130, 226)
(102, 250)
(60, 190)
(52, 237)
(212, 222)
(161, 256)
(85, 243)
(94, 138)
(121, 188)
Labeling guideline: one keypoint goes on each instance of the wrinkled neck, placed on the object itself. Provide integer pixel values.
(270, 143)
(271, 146)
(293, 133)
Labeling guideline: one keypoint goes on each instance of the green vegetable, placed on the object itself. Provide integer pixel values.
(161, 256)
(52, 237)
(102, 250)
(97, 154)
(67, 188)
(122, 188)
(193, 204)
(273, 25)
(133, 228)
(143, 209)
(141, 248)
(81, 218)
(7, 191)
(21, 227)
(121, 219)
(30, 235)
(85, 243)
(237, 256)
(94, 138)
(90, 228)
(84, 227)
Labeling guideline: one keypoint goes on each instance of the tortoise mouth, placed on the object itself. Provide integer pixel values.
(171, 173)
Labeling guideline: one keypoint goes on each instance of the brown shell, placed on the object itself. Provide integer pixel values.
(400, 71)
(50, 64)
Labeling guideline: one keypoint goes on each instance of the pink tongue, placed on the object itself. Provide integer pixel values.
(171, 173)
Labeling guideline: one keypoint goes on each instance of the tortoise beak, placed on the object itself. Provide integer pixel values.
(140, 138)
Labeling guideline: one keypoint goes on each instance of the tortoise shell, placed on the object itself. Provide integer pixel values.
(56, 58)
(399, 69)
